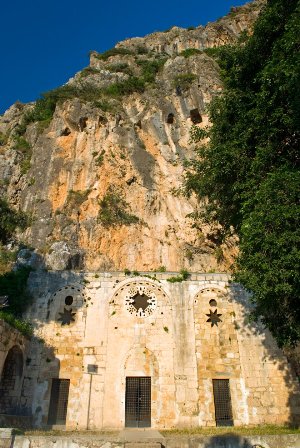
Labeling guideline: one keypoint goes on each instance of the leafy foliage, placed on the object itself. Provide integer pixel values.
(23, 326)
(113, 52)
(184, 80)
(13, 284)
(87, 71)
(3, 139)
(122, 67)
(190, 52)
(103, 98)
(24, 148)
(150, 68)
(127, 87)
(269, 263)
(10, 220)
(183, 275)
(114, 210)
(76, 198)
(249, 169)
(100, 158)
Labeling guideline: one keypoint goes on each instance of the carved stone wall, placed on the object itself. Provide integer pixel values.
(98, 329)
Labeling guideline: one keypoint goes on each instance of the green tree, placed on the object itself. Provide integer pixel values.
(10, 220)
(249, 169)
(13, 283)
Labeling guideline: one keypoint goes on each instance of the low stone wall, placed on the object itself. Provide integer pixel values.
(92, 441)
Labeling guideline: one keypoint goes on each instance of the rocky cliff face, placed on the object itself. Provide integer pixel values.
(101, 178)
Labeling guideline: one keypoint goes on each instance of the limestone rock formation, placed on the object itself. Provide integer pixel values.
(101, 179)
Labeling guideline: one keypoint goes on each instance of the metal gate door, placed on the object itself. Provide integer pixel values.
(138, 402)
(58, 402)
(222, 399)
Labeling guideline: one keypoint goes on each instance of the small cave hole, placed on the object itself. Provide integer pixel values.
(65, 132)
(102, 120)
(138, 124)
(195, 116)
(69, 300)
(82, 123)
(170, 118)
(131, 180)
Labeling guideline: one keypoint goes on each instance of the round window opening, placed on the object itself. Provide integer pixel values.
(69, 300)
(213, 302)
(140, 301)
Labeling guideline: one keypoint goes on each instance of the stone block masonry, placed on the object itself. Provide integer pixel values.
(112, 351)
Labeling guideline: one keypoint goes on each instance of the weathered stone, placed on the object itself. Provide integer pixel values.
(133, 148)
(61, 257)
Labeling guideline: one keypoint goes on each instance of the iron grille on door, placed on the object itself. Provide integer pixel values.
(223, 409)
(58, 402)
(138, 402)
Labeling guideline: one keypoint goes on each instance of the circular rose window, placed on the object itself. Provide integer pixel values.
(140, 300)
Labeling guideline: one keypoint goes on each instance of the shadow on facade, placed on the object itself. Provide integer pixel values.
(272, 358)
(229, 441)
(63, 297)
(17, 384)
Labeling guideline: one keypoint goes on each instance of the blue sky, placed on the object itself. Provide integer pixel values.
(43, 43)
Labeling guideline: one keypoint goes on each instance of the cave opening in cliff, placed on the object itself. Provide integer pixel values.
(82, 123)
(170, 118)
(195, 116)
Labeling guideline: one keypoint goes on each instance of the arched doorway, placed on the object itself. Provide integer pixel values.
(11, 381)
(141, 374)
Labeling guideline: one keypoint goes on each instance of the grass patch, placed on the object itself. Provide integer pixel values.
(45, 106)
(112, 52)
(10, 220)
(3, 139)
(67, 432)
(141, 49)
(151, 68)
(184, 80)
(242, 430)
(117, 67)
(99, 158)
(22, 325)
(212, 52)
(88, 71)
(104, 105)
(7, 259)
(123, 88)
(183, 275)
(190, 52)
(22, 146)
(76, 198)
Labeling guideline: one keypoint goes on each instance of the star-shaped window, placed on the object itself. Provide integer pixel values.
(213, 317)
(66, 317)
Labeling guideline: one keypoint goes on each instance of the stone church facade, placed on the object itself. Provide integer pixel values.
(113, 351)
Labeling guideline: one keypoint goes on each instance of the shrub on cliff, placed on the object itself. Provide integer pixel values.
(12, 283)
(114, 210)
(10, 220)
(249, 171)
